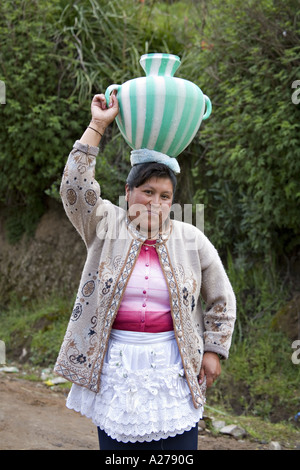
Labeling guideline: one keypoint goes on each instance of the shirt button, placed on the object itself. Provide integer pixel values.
(147, 264)
(144, 292)
(144, 305)
(143, 321)
(146, 248)
(146, 277)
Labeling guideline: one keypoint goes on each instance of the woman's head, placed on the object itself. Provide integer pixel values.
(150, 190)
(144, 171)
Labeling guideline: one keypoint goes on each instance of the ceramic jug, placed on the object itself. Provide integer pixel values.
(160, 112)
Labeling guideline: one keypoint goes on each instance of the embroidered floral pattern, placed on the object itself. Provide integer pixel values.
(107, 287)
(83, 160)
(185, 296)
(90, 197)
(124, 273)
(183, 327)
(77, 311)
(88, 288)
(219, 308)
(188, 298)
(193, 303)
(71, 196)
(80, 359)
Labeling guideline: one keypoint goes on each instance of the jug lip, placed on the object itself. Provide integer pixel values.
(160, 55)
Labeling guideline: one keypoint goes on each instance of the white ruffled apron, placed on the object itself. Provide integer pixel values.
(144, 395)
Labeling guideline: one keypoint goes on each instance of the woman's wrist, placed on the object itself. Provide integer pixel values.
(215, 354)
(99, 125)
(93, 133)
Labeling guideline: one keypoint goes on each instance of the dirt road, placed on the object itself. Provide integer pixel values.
(34, 417)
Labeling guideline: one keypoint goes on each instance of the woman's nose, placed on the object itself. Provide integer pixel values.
(155, 200)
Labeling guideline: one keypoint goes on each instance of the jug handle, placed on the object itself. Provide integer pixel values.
(109, 90)
(208, 107)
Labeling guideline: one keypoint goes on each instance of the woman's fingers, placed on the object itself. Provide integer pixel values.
(100, 101)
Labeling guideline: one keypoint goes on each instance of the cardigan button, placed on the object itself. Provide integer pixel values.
(179, 334)
(198, 400)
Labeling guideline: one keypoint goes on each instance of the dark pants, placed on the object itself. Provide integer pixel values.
(186, 441)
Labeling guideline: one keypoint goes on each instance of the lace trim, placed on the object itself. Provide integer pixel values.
(142, 397)
(141, 408)
(174, 418)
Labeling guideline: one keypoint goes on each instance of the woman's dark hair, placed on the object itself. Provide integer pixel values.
(142, 172)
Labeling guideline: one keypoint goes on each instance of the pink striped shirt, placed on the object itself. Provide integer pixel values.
(145, 305)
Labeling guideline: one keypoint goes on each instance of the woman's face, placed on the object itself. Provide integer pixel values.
(149, 205)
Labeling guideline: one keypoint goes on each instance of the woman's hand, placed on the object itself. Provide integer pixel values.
(211, 368)
(102, 115)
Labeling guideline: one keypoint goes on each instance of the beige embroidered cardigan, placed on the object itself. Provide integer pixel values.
(191, 266)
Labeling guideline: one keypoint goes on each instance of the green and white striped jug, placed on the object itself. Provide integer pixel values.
(160, 112)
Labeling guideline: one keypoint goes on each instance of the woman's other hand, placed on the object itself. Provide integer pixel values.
(211, 368)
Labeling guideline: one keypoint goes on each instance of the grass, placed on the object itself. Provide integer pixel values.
(258, 429)
(33, 331)
(259, 378)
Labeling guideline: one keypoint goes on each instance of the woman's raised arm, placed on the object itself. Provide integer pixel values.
(80, 192)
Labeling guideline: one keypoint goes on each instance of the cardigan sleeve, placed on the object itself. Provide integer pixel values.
(80, 192)
(218, 295)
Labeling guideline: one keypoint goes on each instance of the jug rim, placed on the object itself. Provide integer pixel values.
(160, 55)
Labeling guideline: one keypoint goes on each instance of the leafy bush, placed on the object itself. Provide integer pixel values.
(54, 56)
(260, 378)
(250, 161)
(39, 112)
(35, 329)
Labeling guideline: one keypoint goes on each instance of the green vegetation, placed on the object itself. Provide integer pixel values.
(35, 330)
(252, 144)
(257, 429)
(244, 164)
(260, 379)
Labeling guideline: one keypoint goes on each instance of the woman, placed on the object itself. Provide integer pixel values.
(139, 349)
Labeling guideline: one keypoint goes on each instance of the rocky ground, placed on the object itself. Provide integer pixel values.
(33, 416)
